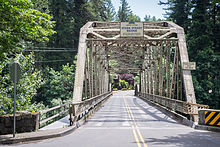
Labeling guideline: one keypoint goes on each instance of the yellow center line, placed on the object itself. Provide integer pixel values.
(135, 136)
(133, 130)
(135, 124)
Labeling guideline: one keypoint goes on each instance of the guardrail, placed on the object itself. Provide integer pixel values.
(209, 117)
(80, 109)
(54, 112)
(173, 104)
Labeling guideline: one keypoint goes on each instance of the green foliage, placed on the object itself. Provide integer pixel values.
(178, 12)
(136, 80)
(115, 89)
(123, 84)
(123, 89)
(202, 35)
(125, 14)
(21, 22)
(133, 18)
(124, 11)
(103, 9)
(202, 50)
(130, 87)
(58, 86)
(26, 87)
(149, 18)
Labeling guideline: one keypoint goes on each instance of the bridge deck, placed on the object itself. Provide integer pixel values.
(127, 121)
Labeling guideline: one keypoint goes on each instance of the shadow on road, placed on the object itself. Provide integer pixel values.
(192, 139)
(152, 114)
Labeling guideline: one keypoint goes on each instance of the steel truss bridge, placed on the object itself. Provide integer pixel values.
(160, 58)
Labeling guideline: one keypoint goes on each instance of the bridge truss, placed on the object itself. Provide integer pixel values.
(159, 58)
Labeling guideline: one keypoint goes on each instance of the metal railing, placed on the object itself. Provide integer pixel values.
(80, 109)
(173, 104)
(48, 115)
(54, 112)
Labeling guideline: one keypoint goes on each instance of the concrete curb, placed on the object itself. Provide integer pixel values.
(39, 135)
(209, 128)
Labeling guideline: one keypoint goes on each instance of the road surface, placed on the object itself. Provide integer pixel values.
(127, 121)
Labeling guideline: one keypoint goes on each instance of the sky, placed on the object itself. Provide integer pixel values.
(143, 7)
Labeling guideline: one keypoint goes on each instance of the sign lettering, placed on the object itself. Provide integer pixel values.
(132, 29)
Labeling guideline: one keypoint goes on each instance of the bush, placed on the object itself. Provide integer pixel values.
(115, 89)
(58, 86)
(130, 87)
(123, 84)
(26, 87)
(123, 89)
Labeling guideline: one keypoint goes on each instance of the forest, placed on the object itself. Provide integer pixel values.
(42, 36)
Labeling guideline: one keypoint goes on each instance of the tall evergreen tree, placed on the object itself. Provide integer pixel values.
(133, 18)
(84, 12)
(201, 50)
(178, 11)
(147, 18)
(110, 10)
(63, 13)
(103, 9)
(124, 11)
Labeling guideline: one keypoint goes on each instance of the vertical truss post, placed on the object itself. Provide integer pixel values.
(86, 78)
(91, 69)
(161, 71)
(187, 77)
(140, 87)
(173, 82)
(155, 70)
(144, 75)
(168, 72)
(80, 65)
(95, 73)
(147, 81)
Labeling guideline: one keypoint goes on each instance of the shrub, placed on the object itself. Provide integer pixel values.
(58, 86)
(123, 89)
(130, 87)
(26, 87)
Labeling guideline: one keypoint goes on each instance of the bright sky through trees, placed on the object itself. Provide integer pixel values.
(143, 7)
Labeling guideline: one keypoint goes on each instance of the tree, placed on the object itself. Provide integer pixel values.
(41, 5)
(124, 11)
(154, 18)
(133, 18)
(178, 11)
(26, 87)
(147, 18)
(103, 9)
(202, 51)
(110, 11)
(200, 20)
(58, 85)
(83, 13)
(63, 15)
(20, 23)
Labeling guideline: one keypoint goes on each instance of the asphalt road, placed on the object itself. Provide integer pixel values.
(127, 121)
